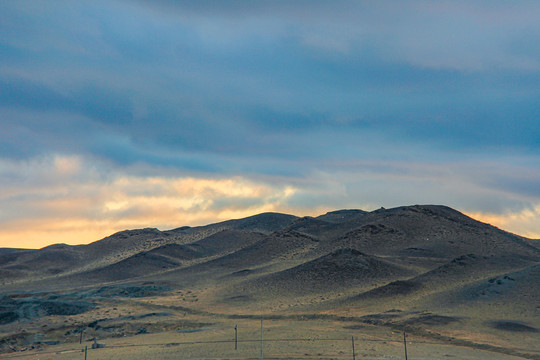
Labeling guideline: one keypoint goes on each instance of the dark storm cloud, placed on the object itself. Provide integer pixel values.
(195, 75)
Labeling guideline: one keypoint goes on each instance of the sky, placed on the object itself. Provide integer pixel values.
(124, 114)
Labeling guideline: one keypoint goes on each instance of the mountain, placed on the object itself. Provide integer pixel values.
(419, 266)
(61, 259)
(418, 237)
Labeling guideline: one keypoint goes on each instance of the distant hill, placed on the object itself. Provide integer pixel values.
(352, 256)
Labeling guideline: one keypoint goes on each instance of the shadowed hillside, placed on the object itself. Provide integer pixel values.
(337, 271)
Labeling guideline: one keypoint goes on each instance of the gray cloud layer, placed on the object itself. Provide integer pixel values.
(353, 95)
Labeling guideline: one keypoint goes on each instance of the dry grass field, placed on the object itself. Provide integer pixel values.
(283, 339)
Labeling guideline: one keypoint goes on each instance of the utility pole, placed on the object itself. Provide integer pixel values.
(261, 338)
(353, 354)
(235, 337)
(405, 344)
(85, 351)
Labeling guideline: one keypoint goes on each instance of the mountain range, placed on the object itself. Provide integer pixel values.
(423, 265)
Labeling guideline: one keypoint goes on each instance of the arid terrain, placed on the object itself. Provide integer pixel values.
(459, 289)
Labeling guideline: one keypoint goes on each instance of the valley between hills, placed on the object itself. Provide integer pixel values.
(459, 289)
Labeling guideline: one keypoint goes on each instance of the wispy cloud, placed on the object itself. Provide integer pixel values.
(65, 198)
(73, 199)
(524, 223)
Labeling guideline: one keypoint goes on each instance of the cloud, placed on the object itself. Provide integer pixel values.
(198, 77)
(306, 105)
(52, 198)
(450, 34)
(524, 223)
(78, 200)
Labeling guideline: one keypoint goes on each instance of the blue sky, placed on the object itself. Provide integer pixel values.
(129, 113)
